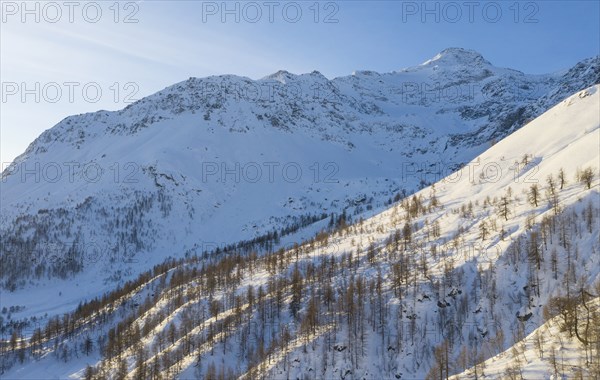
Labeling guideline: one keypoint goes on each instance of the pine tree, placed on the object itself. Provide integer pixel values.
(140, 363)
(407, 235)
(483, 230)
(88, 345)
(441, 367)
(533, 195)
(503, 207)
(89, 373)
(296, 292)
(535, 254)
(13, 340)
(562, 179)
(552, 194)
(587, 177)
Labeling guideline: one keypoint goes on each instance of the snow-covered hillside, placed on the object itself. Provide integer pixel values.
(214, 161)
(437, 283)
(546, 353)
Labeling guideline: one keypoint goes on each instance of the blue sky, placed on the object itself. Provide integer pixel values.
(171, 41)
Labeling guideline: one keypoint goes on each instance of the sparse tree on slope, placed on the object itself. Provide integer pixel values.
(503, 207)
(562, 178)
(586, 176)
(533, 195)
(483, 230)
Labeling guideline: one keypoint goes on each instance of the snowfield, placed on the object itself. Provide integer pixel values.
(440, 293)
(205, 163)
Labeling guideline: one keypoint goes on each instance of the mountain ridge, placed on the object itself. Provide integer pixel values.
(439, 283)
(224, 85)
(407, 123)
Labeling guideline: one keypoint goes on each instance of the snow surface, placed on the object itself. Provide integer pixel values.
(365, 136)
(567, 136)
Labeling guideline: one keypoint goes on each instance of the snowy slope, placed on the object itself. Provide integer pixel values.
(481, 293)
(546, 353)
(208, 162)
(567, 136)
(495, 276)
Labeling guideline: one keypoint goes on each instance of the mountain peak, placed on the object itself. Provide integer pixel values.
(456, 55)
(282, 76)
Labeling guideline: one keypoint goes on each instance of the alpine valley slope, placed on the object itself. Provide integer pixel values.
(208, 162)
(432, 286)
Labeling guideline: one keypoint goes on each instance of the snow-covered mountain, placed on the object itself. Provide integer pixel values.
(460, 278)
(215, 161)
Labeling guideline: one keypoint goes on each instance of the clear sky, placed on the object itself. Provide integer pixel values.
(56, 56)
